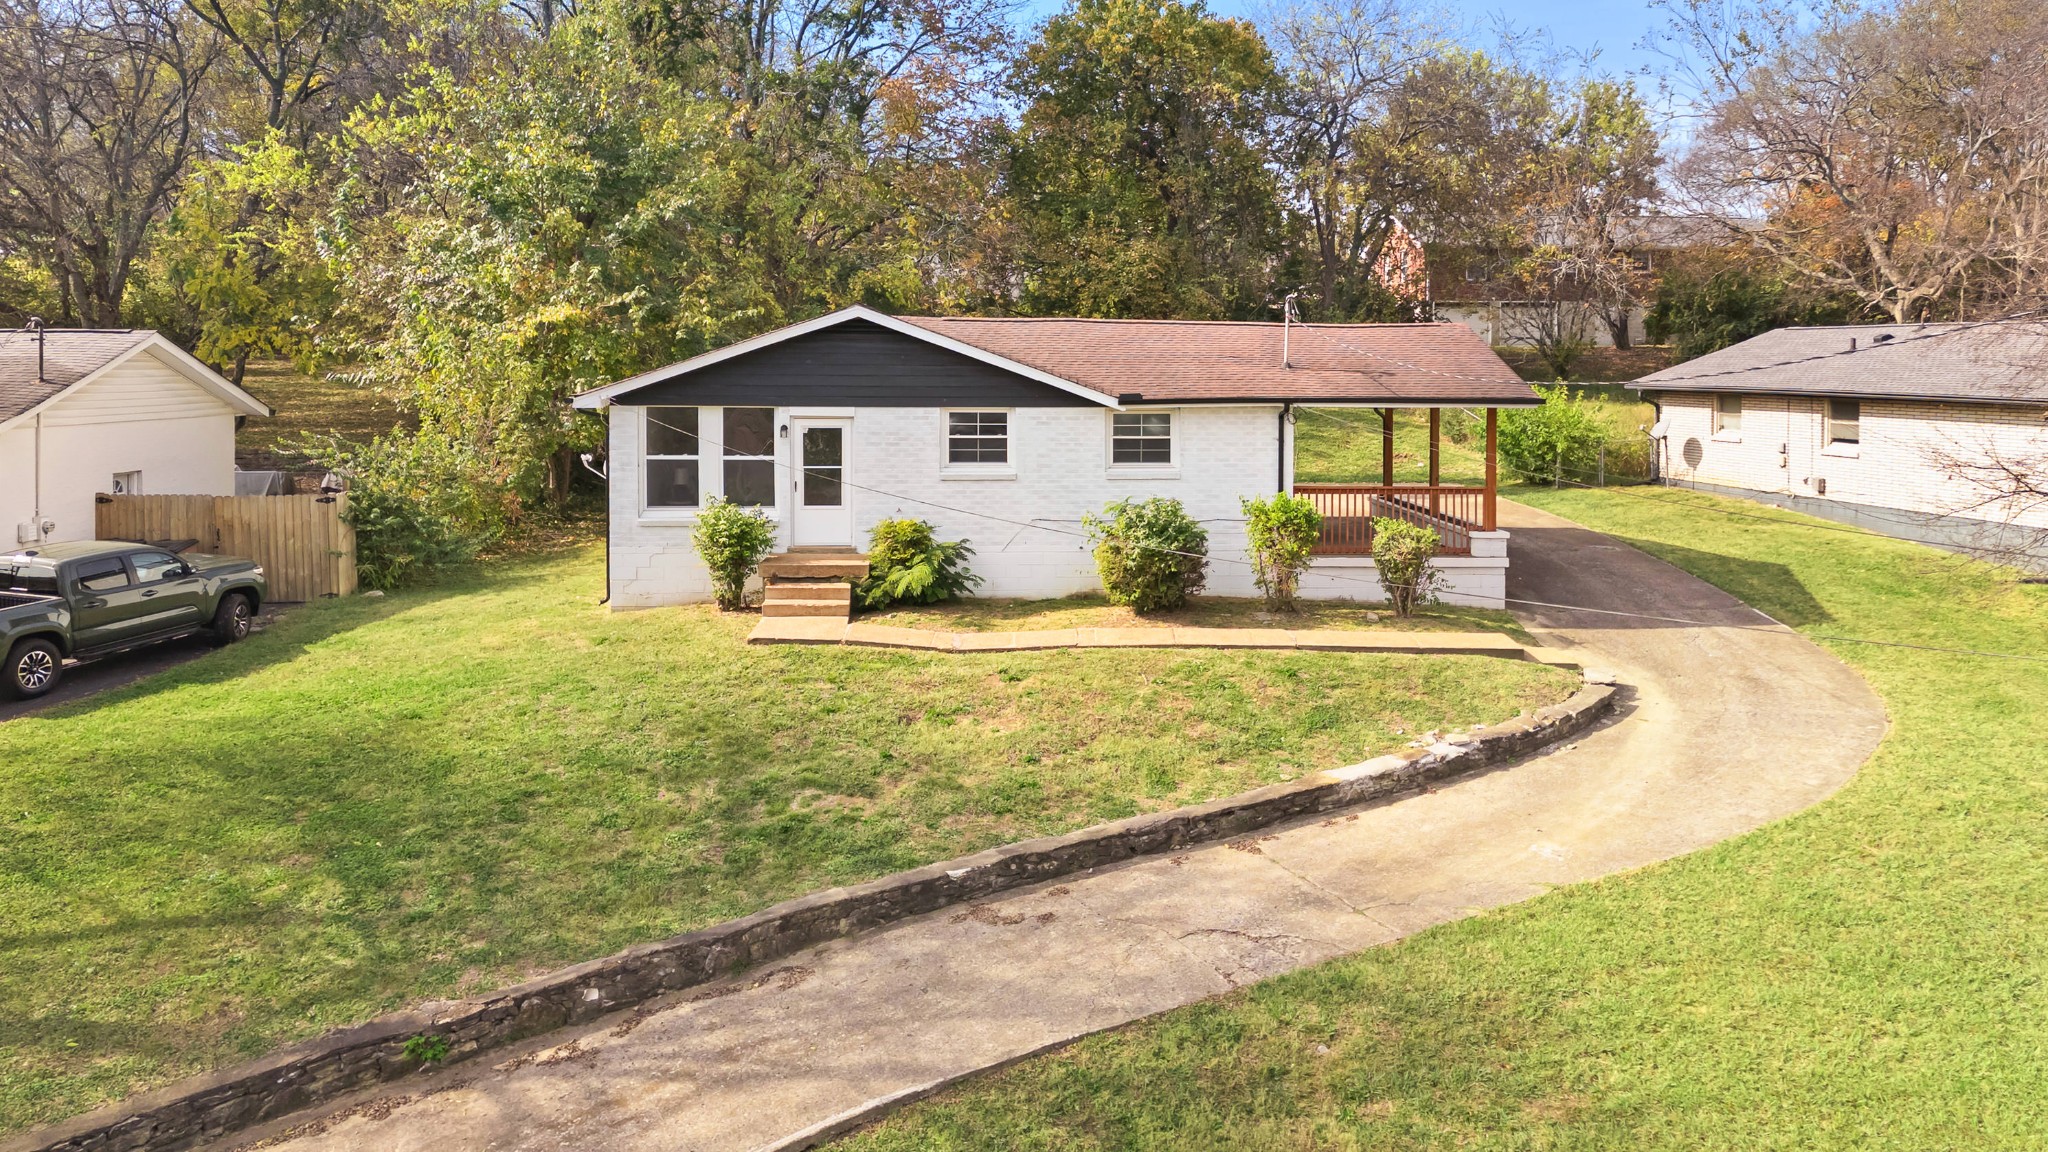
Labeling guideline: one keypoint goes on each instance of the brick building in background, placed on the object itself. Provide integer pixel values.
(1932, 432)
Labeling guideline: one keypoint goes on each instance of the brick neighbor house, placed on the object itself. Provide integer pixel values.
(1923, 431)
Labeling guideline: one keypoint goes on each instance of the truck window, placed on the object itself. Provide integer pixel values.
(34, 579)
(103, 575)
(153, 566)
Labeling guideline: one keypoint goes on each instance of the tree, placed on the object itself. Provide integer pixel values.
(1137, 173)
(1599, 181)
(97, 125)
(1900, 154)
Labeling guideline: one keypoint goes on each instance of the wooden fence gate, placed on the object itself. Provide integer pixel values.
(307, 552)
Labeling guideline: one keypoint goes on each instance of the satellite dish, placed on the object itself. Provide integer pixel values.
(1660, 430)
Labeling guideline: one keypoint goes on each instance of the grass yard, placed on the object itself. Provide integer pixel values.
(308, 404)
(1342, 445)
(1872, 973)
(1201, 612)
(376, 801)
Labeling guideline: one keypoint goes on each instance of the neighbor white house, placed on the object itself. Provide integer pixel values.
(90, 412)
(1923, 431)
(1007, 432)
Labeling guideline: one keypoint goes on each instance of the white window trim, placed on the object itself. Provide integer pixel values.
(1720, 434)
(1167, 471)
(951, 471)
(710, 465)
(781, 467)
(665, 513)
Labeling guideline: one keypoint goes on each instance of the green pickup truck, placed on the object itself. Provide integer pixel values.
(93, 598)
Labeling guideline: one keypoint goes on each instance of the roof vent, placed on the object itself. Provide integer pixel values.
(1852, 343)
(1884, 338)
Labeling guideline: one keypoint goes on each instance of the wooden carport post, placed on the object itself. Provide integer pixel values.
(1386, 446)
(1491, 515)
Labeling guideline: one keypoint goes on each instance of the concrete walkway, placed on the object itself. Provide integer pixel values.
(1728, 728)
(828, 630)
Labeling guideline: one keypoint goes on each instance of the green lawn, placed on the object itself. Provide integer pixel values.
(1342, 445)
(975, 615)
(377, 801)
(305, 404)
(1872, 973)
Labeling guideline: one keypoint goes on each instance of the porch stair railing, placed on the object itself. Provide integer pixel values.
(1455, 511)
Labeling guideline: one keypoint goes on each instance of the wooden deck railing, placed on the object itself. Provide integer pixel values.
(1349, 509)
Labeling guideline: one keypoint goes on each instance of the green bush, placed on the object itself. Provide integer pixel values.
(908, 565)
(1150, 553)
(1282, 530)
(1560, 440)
(1402, 552)
(732, 540)
(417, 503)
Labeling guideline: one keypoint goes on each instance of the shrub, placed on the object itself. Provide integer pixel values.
(417, 503)
(907, 565)
(1402, 552)
(1150, 553)
(1561, 439)
(732, 539)
(1282, 530)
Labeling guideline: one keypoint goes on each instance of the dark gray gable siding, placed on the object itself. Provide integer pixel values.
(855, 364)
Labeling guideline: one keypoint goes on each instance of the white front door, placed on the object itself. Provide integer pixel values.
(820, 501)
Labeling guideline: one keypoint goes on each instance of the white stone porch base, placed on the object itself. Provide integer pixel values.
(1476, 581)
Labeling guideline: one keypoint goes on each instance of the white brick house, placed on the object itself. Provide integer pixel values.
(1909, 430)
(1006, 432)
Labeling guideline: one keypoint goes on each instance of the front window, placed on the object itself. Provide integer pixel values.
(1141, 438)
(977, 438)
(750, 456)
(673, 454)
(153, 566)
(1845, 422)
(1727, 415)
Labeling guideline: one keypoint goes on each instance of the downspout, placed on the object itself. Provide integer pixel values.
(1286, 414)
(607, 507)
(35, 324)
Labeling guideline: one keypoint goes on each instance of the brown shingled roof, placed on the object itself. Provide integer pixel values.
(1196, 361)
(69, 355)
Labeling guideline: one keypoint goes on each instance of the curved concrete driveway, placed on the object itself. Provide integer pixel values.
(1729, 727)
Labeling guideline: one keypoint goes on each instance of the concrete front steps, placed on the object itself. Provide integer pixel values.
(815, 584)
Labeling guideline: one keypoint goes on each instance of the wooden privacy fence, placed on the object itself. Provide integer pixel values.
(1348, 511)
(307, 552)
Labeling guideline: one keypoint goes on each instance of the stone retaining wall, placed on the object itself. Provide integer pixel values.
(208, 1107)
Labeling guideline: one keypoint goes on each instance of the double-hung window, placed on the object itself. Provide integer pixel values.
(977, 439)
(673, 457)
(1845, 422)
(1727, 415)
(749, 452)
(1141, 439)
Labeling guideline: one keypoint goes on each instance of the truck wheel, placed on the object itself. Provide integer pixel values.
(231, 619)
(33, 668)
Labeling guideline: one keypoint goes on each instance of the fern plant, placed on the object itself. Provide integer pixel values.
(908, 564)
